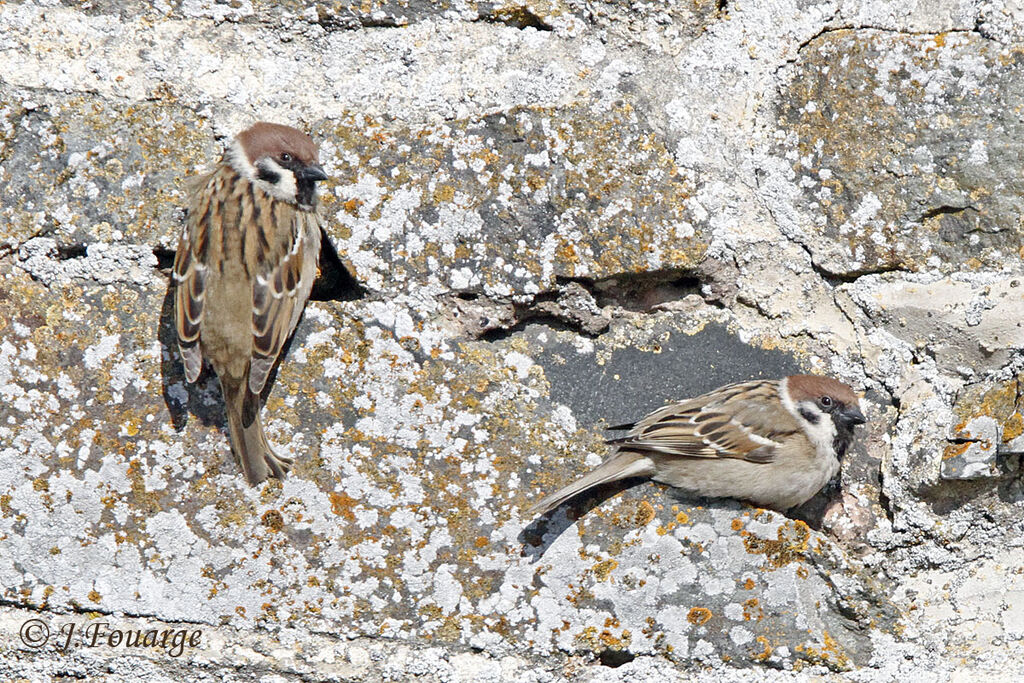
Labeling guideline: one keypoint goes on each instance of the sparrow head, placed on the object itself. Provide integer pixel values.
(279, 159)
(827, 408)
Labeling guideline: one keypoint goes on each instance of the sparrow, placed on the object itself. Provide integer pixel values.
(243, 270)
(774, 443)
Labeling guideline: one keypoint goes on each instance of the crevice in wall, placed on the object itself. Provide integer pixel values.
(944, 210)
(164, 258)
(582, 305)
(382, 22)
(74, 250)
(646, 292)
(498, 334)
(519, 17)
(334, 281)
(615, 658)
(845, 277)
(863, 27)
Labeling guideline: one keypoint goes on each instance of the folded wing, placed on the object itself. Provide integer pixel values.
(732, 422)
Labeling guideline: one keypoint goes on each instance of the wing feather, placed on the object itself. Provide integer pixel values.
(284, 273)
(742, 421)
(190, 272)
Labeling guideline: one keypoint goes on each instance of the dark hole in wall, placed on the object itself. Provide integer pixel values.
(164, 258)
(335, 282)
(66, 252)
(615, 658)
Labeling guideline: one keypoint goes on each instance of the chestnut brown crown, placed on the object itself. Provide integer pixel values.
(275, 140)
(813, 387)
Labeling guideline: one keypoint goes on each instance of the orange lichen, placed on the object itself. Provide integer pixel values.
(955, 450)
(792, 542)
(999, 402)
(342, 504)
(644, 514)
(1013, 427)
(752, 610)
(602, 570)
(273, 520)
(605, 639)
(830, 653)
(699, 616)
(766, 649)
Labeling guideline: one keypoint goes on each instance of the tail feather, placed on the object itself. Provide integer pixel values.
(248, 441)
(622, 465)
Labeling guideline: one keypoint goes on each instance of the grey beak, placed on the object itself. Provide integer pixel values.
(851, 416)
(311, 172)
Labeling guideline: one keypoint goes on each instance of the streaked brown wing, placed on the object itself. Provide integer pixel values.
(190, 271)
(742, 420)
(277, 252)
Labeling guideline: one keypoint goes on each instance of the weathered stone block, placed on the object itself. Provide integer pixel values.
(906, 151)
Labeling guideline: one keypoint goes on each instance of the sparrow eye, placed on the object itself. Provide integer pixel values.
(286, 157)
(825, 401)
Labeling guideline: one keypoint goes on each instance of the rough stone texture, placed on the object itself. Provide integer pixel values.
(509, 202)
(888, 176)
(93, 171)
(560, 215)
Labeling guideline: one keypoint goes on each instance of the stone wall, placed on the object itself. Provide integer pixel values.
(560, 215)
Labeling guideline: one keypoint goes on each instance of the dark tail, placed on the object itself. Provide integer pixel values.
(622, 465)
(248, 441)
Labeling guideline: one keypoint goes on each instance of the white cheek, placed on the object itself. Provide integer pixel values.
(285, 188)
(821, 434)
(238, 160)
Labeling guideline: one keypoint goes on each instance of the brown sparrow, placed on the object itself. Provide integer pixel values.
(773, 443)
(243, 270)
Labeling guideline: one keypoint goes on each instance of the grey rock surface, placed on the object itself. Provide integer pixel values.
(898, 165)
(560, 216)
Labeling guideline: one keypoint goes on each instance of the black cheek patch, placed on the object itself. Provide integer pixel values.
(809, 415)
(264, 173)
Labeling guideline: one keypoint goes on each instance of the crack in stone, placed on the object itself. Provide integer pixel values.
(847, 277)
(576, 304)
(519, 17)
(944, 210)
(73, 608)
(866, 27)
(164, 257)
